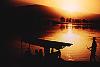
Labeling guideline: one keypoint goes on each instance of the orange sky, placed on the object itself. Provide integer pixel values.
(87, 6)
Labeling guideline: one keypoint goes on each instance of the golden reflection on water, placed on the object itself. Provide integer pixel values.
(78, 37)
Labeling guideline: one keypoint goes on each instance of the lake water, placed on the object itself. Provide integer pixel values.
(79, 36)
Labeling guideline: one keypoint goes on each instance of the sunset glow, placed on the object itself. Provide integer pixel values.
(71, 8)
(50, 32)
(86, 6)
(79, 39)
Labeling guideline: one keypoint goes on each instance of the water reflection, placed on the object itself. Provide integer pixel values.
(78, 36)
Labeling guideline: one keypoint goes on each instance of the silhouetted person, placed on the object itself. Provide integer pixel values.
(36, 59)
(55, 56)
(93, 50)
(36, 53)
(59, 54)
(28, 57)
(28, 53)
(41, 57)
(40, 53)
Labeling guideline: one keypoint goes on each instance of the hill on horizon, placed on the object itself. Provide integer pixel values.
(37, 11)
(42, 11)
(27, 18)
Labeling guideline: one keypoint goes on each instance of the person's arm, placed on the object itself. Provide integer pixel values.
(89, 48)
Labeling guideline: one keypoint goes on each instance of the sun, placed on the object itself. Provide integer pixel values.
(71, 8)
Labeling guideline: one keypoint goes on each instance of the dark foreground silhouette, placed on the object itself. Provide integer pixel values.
(29, 60)
(16, 22)
(93, 50)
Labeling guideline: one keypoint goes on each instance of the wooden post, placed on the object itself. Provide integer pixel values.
(46, 51)
(29, 45)
(21, 48)
(52, 50)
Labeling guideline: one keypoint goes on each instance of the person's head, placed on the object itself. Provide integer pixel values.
(94, 38)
